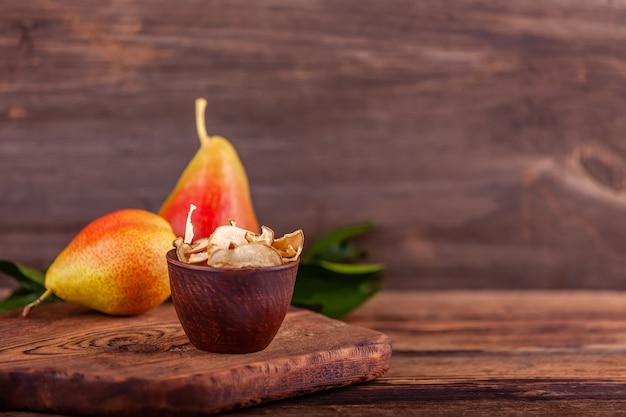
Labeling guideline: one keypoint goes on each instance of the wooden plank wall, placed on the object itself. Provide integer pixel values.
(486, 138)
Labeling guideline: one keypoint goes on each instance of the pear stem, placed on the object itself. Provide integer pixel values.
(200, 121)
(29, 307)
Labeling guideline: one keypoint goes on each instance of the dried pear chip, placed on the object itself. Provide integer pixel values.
(199, 245)
(288, 252)
(293, 239)
(252, 255)
(226, 237)
(266, 237)
(182, 249)
(198, 258)
(291, 254)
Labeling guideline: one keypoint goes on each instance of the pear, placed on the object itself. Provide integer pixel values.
(116, 264)
(215, 181)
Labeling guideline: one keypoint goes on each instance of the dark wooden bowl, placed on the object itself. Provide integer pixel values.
(231, 310)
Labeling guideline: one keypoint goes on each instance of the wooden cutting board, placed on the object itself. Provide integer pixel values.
(71, 360)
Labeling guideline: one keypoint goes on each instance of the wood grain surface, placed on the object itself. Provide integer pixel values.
(72, 360)
(483, 353)
(485, 138)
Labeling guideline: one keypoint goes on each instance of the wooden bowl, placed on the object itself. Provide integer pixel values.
(230, 310)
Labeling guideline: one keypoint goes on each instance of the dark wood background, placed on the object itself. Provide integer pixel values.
(486, 138)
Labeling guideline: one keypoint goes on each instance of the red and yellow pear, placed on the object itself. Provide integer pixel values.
(215, 181)
(116, 264)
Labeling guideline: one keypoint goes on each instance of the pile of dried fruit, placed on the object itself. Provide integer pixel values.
(233, 247)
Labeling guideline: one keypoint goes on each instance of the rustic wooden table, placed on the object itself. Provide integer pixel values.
(484, 353)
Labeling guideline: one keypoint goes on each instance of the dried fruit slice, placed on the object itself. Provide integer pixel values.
(227, 237)
(198, 258)
(182, 249)
(251, 255)
(290, 245)
(266, 237)
(200, 245)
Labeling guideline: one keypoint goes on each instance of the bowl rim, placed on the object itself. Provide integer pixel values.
(173, 259)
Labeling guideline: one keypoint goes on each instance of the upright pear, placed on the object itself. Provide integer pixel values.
(116, 264)
(216, 182)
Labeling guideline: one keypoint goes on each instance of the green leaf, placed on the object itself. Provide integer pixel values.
(328, 245)
(331, 293)
(346, 250)
(329, 280)
(348, 268)
(30, 285)
(22, 273)
(20, 298)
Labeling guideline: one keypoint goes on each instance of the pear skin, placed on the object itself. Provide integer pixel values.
(116, 264)
(216, 182)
